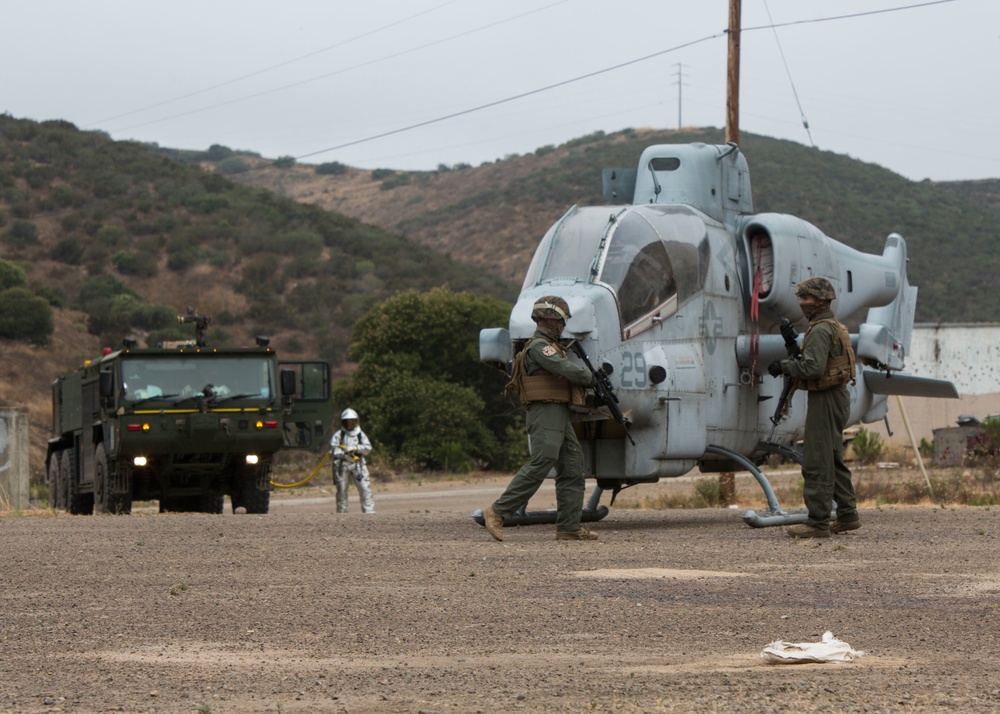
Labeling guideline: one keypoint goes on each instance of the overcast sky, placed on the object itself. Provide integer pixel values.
(914, 90)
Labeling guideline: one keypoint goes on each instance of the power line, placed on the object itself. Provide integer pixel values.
(848, 17)
(596, 73)
(274, 66)
(346, 69)
(512, 98)
(802, 114)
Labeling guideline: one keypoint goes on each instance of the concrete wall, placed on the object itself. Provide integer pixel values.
(966, 354)
(13, 457)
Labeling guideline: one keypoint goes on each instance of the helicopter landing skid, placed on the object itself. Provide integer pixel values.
(592, 511)
(775, 515)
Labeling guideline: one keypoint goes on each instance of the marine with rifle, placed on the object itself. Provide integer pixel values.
(823, 367)
(546, 382)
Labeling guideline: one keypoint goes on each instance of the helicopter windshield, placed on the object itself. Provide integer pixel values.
(145, 379)
(569, 248)
(657, 258)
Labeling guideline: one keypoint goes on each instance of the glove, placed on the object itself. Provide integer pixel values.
(774, 369)
(788, 332)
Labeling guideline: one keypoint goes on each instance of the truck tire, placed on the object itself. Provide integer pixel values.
(53, 482)
(104, 500)
(210, 503)
(77, 503)
(247, 494)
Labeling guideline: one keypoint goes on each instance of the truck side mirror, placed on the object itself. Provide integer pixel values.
(287, 383)
(107, 384)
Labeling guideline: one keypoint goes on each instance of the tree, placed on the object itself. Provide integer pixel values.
(24, 316)
(420, 385)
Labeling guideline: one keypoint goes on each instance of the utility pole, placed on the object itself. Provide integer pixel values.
(733, 75)
(680, 84)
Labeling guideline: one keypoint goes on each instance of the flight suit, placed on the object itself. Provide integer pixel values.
(349, 447)
(551, 440)
(825, 475)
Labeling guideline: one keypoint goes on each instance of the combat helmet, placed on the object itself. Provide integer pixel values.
(819, 288)
(550, 307)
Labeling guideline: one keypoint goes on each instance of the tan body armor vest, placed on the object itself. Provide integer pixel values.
(543, 386)
(839, 368)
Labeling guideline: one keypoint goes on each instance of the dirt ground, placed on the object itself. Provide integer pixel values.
(416, 609)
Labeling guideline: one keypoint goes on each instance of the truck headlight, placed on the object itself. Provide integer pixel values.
(251, 459)
(139, 461)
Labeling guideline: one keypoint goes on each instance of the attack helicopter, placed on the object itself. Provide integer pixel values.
(677, 291)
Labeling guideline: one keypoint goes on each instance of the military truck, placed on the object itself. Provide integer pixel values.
(183, 424)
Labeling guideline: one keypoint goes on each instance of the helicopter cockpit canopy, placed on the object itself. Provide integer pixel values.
(653, 257)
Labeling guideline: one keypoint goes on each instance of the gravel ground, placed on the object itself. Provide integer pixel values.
(416, 609)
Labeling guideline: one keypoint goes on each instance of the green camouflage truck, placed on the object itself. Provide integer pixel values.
(185, 425)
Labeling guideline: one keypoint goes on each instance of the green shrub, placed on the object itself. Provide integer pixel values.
(68, 250)
(218, 152)
(100, 289)
(130, 263)
(25, 317)
(868, 446)
(379, 174)
(331, 168)
(110, 235)
(12, 275)
(182, 259)
(22, 233)
(233, 165)
(395, 181)
(284, 162)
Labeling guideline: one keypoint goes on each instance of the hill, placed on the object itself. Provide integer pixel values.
(493, 215)
(119, 239)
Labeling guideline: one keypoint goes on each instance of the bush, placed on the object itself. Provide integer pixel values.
(284, 162)
(100, 289)
(218, 152)
(868, 446)
(141, 264)
(233, 165)
(331, 168)
(22, 233)
(68, 250)
(24, 316)
(12, 275)
(395, 181)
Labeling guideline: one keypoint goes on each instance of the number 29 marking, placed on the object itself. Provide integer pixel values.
(633, 370)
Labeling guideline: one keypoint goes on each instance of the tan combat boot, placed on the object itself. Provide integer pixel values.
(582, 534)
(494, 523)
(841, 526)
(804, 530)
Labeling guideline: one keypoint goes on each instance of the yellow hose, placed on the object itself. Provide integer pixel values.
(308, 478)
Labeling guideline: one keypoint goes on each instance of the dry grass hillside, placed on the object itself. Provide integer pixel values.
(484, 226)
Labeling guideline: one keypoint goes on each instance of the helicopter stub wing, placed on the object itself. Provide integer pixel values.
(908, 385)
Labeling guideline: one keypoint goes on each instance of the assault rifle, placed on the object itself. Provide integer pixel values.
(603, 389)
(788, 332)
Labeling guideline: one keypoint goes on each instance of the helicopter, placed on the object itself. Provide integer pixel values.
(677, 291)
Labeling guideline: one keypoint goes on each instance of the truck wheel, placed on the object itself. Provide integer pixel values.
(52, 480)
(104, 500)
(210, 503)
(247, 494)
(76, 503)
(256, 501)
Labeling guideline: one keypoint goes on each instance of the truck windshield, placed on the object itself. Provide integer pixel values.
(145, 378)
